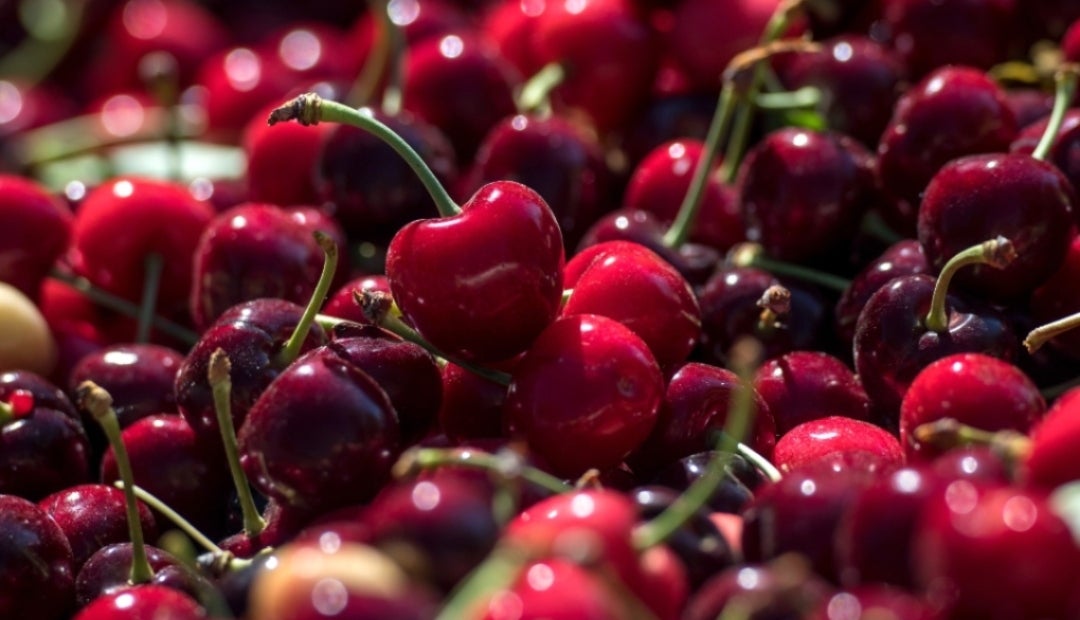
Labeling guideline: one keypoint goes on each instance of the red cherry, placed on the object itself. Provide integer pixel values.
(807, 385)
(903, 258)
(93, 516)
(484, 283)
(235, 84)
(1058, 298)
(471, 405)
(280, 161)
(585, 394)
(974, 389)
(816, 440)
(555, 589)
(36, 575)
(145, 602)
(342, 304)
(1051, 458)
(35, 229)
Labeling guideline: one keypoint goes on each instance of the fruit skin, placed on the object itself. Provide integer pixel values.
(1051, 460)
(481, 285)
(145, 602)
(93, 516)
(815, 440)
(36, 574)
(807, 385)
(35, 228)
(585, 394)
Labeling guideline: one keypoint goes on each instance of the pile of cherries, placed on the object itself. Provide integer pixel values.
(582, 309)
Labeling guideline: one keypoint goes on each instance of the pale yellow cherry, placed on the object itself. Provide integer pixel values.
(25, 340)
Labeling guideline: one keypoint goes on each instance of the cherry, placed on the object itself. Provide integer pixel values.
(343, 459)
(160, 218)
(43, 448)
(874, 600)
(280, 162)
(93, 516)
(145, 602)
(903, 258)
(28, 106)
(973, 389)
(510, 26)
(417, 21)
(36, 229)
(108, 571)
(139, 377)
(1061, 149)
(36, 570)
(952, 112)
(461, 85)
(995, 552)
(562, 161)
(974, 198)
(731, 495)
(666, 316)
(585, 394)
(696, 406)
(555, 589)
(782, 589)
(974, 462)
(307, 51)
(814, 440)
(807, 385)
(471, 406)
(235, 83)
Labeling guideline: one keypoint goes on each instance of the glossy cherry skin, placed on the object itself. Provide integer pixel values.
(585, 394)
(780, 593)
(952, 112)
(807, 385)
(665, 313)
(280, 160)
(43, 451)
(815, 440)
(892, 344)
(859, 80)
(995, 552)
(903, 258)
(251, 334)
(974, 389)
(661, 180)
(93, 516)
(322, 435)
(368, 187)
(731, 496)
(36, 229)
(108, 571)
(169, 461)
(608, 53)
(37, 579)
(158, 217)
(801, 192)
(145, 602)
(1050, 460)
(555, 589)
(695, 408)
(461, 85)
(974, 198)
(557, 158)
(471, 406)
(139, 377)
(236, 83)
(484, 283)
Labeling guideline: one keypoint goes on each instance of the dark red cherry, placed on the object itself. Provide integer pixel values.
(659, 184)
(93, 516)
(974, 198)
(902, 258)
(819, 439)
(371, 190)
(471, 405)
(973, 389)
(585, 394)
(952, 112)
(36, 230)
(801, 192)
(169, 461)
(974, 462)
(555, 589)
(509, 25)
(139, 377)
(731, 496)
(1062, 150)
(322, 435)
(158, 218)
(42, 449)
(108, 571)
(1050, 458)
(144, 602)
(608, 55)
(665, 315)
(776, 591)
(563, 162)
(37, 579)
(995, 553)
(873, 601)
(484, 283)
(807, 385)
(859, 80)
(695, 408)
(280, 161)
(1056, 299)
(461, 85)
(1070, 43)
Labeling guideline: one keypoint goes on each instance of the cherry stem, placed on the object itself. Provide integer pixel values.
(997, 253)
(679, 231)
(775, 304)
(221, 384)
(375, 65)
(118, 304)
(98, 402)
(805, 97)
(949, 433)
(380, 310)
(47, 43)
(1039, 336)
(174, 517)
(535, 95)
(151, 285)
(497, 572)
(7, 414)
(753, 255)
(508, 465)
(303, 327)
(311, 109)
(745, 356)
(1065, 88)
(759, 462)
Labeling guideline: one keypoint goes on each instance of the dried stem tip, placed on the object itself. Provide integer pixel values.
(219, 367)
(304, 109)
(95, 399)
(374, 305)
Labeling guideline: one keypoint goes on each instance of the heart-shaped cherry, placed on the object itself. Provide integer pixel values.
(36, 576)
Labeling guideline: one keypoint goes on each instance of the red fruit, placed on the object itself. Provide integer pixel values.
(35, 228)
(807, 385)
(145, 602)
(816, 440)
(1051, 460)
(484, 283)
(585, 394)
(280, 161)
(36, 574)
(555, 589)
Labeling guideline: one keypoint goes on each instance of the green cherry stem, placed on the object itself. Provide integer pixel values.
(311, 109)
(52, 29)
(375, 65)
(221, 384)
(1065, 88)
(535, 95)
(497, 572)
(98, 402)
(151, 285)
(745, 356)
(997, 253)
(1039, 336)
(753, 255)
(508, 466)
(174, 517)
(379, 310)
(760, 463)
(296, 341)
(948, 433)
(805, 97)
